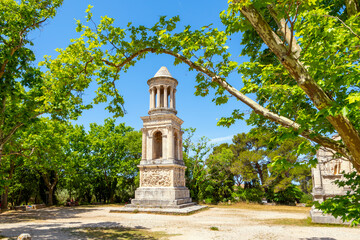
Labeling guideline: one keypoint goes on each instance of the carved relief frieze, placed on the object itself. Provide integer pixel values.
(155, 177)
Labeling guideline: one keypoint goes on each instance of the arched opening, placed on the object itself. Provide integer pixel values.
(337, 168)
(176, 146)
(157, 145)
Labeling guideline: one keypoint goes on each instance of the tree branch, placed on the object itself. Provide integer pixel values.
(294, 47)
(317, 95)
(14, 129)
(20, 153)
(288, 123)
(19, 45)
(342, 22)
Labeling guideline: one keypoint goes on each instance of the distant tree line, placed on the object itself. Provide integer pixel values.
(56, 162)
(61, 162)
(246, 170)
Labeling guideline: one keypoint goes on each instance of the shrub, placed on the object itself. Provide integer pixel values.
(288, 196)
(62, 195)
(209, 200)
(307, 199)
(248, 194)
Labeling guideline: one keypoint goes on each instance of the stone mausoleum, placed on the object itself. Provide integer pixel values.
(328, 169)
(162, 169)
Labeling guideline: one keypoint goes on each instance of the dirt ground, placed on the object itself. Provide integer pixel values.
(214, 223)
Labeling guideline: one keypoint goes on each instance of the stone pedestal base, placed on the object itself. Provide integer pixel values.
(156, 210)
(318, 216)
(163, 200)
(162, 197)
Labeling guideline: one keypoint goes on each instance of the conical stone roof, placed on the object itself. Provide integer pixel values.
(163, 72)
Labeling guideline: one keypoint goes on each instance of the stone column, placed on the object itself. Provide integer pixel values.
(158, 96)
(164, 146)
(170, 143)
(317, 176)
(171, 97)
(149, 146)
(181, 145)
(144, 139)
(153, 97)
(165, 97)
(174, 98)
(151, 91)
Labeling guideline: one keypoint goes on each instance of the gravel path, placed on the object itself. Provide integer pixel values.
(233, 223)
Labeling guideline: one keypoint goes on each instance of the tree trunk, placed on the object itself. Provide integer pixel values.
(260, 172)
(352, 7)
(50, 186)
(3, 202)
(4, 198)
(50, 196)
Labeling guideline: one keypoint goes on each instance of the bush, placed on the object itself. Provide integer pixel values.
(209, 200)
(62, 195)
(288, 196)
(248, 194)
(307, 199)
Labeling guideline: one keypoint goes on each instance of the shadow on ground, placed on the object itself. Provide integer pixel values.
(42, 214)
(102, 230)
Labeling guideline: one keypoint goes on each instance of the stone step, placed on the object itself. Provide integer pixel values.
(180, 209)
(186, 205)
(182, 201)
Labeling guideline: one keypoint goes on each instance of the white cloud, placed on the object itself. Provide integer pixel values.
(221, 139)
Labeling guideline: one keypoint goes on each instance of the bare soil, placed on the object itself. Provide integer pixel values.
(219, 222)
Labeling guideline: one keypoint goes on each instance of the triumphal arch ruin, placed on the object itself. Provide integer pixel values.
(162, 169)
(329, 168)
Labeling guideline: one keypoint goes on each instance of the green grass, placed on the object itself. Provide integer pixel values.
(214, 228)
(119, 233)
(261, 207)
(305, 222)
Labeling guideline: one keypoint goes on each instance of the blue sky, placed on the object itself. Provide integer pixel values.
(198, 112)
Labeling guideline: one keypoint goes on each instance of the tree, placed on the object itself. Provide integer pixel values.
(15, 158)
(112, 155)
(313, 58)
(20, 82)
(24, 186)
(220, 179)
(255, 155)
(78, 179)
(27, 92)
(250, 157)
(52, 155)
(195, 156)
